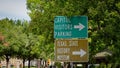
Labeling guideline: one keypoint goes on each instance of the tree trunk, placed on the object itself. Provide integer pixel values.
(23, 63)
(7, 61)
(38, 63)
(29, 63)
(85, 65)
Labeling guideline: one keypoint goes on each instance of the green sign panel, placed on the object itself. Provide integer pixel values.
(71, 27)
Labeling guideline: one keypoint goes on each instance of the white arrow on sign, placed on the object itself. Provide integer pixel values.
(81, 52)
(80, 26)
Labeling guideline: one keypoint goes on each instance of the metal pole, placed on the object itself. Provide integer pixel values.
(71, 64)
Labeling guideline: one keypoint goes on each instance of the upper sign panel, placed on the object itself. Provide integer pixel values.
(71, 27)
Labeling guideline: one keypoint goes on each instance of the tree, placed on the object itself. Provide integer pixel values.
(32, 47)
(28, 43)
(102, 15)
(8, 48)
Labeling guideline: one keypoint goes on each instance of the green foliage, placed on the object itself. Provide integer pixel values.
(104, 19)
(21, 43)
(35, 39)
(8, 32)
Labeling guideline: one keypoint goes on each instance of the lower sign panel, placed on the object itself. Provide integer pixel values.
(71, 50)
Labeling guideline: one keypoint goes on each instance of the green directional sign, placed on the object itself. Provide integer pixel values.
(71, 27)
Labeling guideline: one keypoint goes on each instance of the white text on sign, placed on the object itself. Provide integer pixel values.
(64, 43)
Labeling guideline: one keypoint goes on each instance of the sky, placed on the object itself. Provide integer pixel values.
(13, 9)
